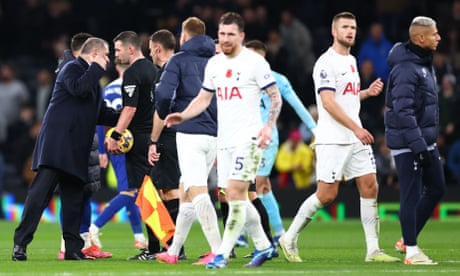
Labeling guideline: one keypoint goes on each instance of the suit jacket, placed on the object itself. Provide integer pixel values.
(68, 127)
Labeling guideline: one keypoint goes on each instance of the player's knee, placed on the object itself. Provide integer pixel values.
(369, 190)
(326, 198)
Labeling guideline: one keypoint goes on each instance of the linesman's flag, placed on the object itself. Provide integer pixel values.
(154, 212)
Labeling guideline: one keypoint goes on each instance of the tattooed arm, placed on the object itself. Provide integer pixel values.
(265, 134)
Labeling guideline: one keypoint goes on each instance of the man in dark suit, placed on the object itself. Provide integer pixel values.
(63, 146)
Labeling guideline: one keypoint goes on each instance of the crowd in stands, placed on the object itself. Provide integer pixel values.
(36, 32)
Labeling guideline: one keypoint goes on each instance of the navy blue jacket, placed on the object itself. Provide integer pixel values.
(67, 131)
(181, 81)
(411, 115)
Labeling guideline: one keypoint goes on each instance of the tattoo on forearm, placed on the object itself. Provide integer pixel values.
(275, 106)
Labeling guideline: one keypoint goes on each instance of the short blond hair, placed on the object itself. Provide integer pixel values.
(194, 26)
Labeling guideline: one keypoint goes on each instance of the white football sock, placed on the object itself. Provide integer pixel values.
(304, 215)
(235, 222)
(370, 222)
(86, 239)
(411, 250)
(184, 221)
(139, 237)
(206, 214)
(62, 244)
(93, 229)
(254, 227)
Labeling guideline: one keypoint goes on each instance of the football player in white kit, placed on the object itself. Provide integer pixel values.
(342, 145)
(237, 77)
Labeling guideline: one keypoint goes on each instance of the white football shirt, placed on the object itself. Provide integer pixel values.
(237, 82)
(339, 73)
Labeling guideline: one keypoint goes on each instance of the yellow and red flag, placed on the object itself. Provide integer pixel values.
(154, 212)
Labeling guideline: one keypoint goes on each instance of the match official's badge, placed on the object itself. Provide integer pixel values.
(129, 89)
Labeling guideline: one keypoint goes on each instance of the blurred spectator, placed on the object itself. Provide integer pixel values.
(449, 28)
(442, 66)
(207, 15)
(372, 108)
(28, 174)
(386, 170)
(31, 18)
(59, 45)
(19, 146)
(453, 161)
(295, 162)
(44, 88)
(276, 52)
(3, 135)
(13, 94)
(392, 14)
(19, 149)
(298, 42)
(375, 48)
(448, 102)
(256, 25)
(443, 145)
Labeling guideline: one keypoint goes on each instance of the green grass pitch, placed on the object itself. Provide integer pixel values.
(328, 248)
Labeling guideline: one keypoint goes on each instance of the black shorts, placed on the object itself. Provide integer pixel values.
(166, 173)
(137, 165)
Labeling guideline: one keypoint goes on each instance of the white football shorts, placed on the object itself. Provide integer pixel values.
(337, 162)
(196, 154)
(238, 163)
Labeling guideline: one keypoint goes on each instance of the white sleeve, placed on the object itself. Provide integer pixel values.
(209, 72)
(323, 76)
(263, 73)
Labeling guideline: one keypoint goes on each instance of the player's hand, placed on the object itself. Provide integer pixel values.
(153, 156)
(112, 146)
(264, 137)
(364, 136)
(173, 119)
(375, 88)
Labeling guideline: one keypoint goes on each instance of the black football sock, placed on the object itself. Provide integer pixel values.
(154, 243)
(263, 218)
(224, 210)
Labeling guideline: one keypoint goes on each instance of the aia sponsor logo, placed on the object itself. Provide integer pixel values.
(228, 93)
(352, 87)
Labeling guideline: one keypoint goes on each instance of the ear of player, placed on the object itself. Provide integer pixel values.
(126, 141)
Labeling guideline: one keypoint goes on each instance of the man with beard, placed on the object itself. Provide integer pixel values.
(342, 145)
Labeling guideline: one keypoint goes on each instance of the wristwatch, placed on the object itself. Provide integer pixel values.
(150, 142)
(115, 135)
